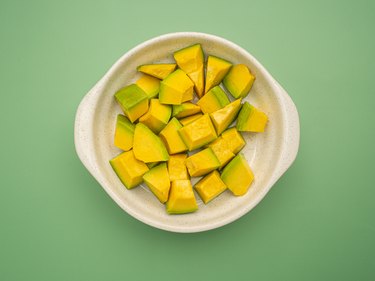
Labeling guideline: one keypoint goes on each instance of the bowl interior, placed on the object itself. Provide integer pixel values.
(262, 150)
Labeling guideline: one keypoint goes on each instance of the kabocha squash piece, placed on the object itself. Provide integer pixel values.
(222, 151)
(124, 133)
(177, 168)
(150, 85)
(189, 119)
(239, 81)
(152, 164)
(129, 169)
(157, 179)
(176, 88)
(234, 139)
(217, 68)
(147, 146)
(251, 119)
(237, 175)
(202, 163)
(198, 133)
(191, 61)
(171, 138)
(210, 186)
(181, 198)
(213, 100)
(133, 101)
(157, 116)
(185, 109)
(222, 118)
(160, 71)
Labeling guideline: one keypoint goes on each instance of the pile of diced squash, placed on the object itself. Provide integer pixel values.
(177, 125)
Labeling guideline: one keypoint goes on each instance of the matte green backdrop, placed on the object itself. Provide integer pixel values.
(57, 223)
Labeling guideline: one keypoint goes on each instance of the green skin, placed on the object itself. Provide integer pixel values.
(243, 116)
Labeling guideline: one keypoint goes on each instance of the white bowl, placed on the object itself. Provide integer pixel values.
(269, 154)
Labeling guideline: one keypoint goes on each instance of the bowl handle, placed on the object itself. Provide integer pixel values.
(292, 133)
(83, 130)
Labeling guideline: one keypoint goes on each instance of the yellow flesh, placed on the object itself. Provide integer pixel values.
(222, 151)
(239, 81)
(177, 168)
(222, 118)
(187, 120)
(202, 163)
(171, 137)
(157, 179)
(129, 169)
(124, 133)
(176, 88)
(185, 109)
(157, 116)
(181, 198)
(216, 70)
(234, 139)
(150, 85)
(198, 133)
(157, 70)
(210, 186)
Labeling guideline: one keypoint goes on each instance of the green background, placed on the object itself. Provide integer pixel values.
(57, 223)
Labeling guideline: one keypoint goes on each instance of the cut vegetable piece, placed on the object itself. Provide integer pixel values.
(133, 101)
(172, 138)
(239, 81)
(210, 186)
(147, 146)
(222, 151)
(124, 133)
(251, 119)
(222, 118)
(185, 109)
(152, 164)
(191, 61)
(237, 175)
(234, 139)
(150, 85)
(202, 163)
(217, 68)
(198, 133)
(128, 169)
(157, 179)
(215, 99)
(177, 168)
(189, 119)
(181, 198)
(176, 88)
(157, 116)
(157, 70)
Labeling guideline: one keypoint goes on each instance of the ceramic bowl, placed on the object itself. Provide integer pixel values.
(269, 154)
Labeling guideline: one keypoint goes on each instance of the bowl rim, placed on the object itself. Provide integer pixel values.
(289, 150)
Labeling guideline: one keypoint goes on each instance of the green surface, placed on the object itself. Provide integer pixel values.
(57, 223)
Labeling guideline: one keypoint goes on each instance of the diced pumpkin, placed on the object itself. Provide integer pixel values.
(129, 169)
(177, 168)
(215, 99)
(237, 175)
(239, 81)
(133, 101)
(159, 71)
(202, 163)
(185, 109)
(251, 119)
(147, 146)
(198, 133)
(189, 119)
(222, 151)
(210, 186)
(181, 198)
(191, 61)
(150, 85)
(124, 133)
(222, 118)
(171, 138)
(157, 179)
(217, 68)
(157, 116)
(234, 139)
(176, 88)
